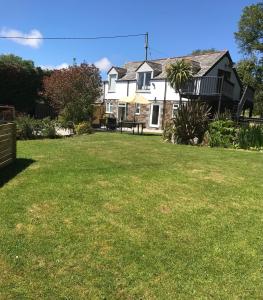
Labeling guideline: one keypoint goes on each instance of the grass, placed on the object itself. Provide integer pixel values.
(110, 216)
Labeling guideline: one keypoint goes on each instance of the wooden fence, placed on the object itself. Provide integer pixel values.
(7, 143)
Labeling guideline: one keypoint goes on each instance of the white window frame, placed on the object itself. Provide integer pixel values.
(109, 108)
(174, 108)
(137, 109)
(112, 89)
(144, 87)
(155, 125)
(126, 109)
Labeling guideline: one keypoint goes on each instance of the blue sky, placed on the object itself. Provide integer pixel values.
(175, 28)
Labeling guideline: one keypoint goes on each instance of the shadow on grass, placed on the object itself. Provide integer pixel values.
(128, 132)
(10, 171)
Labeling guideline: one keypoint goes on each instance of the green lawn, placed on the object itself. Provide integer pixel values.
(111, 216)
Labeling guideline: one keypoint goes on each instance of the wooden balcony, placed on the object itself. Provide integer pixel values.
(209, 86)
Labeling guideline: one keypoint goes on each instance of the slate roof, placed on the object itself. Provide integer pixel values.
(205, 61)
(121, 71)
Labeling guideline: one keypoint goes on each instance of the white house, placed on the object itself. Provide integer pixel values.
(216, 81)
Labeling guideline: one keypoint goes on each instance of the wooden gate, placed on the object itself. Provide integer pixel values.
(7, 143)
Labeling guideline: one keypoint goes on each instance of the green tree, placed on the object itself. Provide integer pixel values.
(72, 91)
(250, 72)
(250, 30)
(20, 83)
(178, 74)
(250, 41)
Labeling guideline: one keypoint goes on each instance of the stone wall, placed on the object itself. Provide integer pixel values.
(165, 113)
(115, 107)
(168, 111)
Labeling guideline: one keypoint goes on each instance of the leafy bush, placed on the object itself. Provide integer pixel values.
(25, 127)
(191, 122)
(83, 128)
(30, 128)
(221, 133)
(226, 133)
(226, 115)
(250, 137)
(48, 128)
(72, 91)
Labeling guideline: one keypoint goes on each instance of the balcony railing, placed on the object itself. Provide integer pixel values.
(208, 86)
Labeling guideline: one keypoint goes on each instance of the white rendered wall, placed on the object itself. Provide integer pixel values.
(156, 91)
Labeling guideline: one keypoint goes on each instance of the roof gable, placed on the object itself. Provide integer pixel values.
(121, 71)
(144, 67)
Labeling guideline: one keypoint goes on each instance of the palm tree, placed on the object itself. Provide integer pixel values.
(178, 74)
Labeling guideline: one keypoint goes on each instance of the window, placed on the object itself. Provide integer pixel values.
(175, 110)
(137, 109)
(144, 79)
(155, 109)
(109, 108)
(112, 82)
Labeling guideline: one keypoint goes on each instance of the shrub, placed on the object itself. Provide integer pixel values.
(83, 128)
(191, 122)
(250, 137)
(72, 91)
(30, 128)
(221, 133)
(48, 128)
(25, 127)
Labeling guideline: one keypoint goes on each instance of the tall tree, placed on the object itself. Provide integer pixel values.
(72, 91)
(20, 83)
(250, 30)
(251, 73)
(178, 74)
(250, 41)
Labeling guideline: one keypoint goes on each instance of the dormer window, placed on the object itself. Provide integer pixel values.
(112, 82)
(144, 79)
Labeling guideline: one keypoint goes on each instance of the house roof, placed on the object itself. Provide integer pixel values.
(121, 71)
(205, 61)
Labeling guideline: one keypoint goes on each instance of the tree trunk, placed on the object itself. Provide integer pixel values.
(180, 99)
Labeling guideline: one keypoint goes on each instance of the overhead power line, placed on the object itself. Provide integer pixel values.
(146, 36)
(73, 38)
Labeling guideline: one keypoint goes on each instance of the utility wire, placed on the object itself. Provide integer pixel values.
(72, 38)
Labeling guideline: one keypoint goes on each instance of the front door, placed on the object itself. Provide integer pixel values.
(154, 120)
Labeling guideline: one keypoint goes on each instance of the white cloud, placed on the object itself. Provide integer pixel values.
(103, 64)
(58, 67)
(34, 33)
